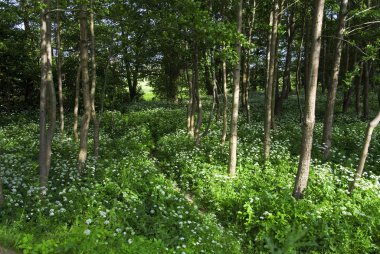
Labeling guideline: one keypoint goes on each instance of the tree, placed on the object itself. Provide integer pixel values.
(93, 84)
(85, 122)
(291, 27)
(47, 98)
(330, 104)
(309, 115)
(224, 132)
(59, 71)
(359, 171)
(235, 97)
(76, 103)
(270, 77)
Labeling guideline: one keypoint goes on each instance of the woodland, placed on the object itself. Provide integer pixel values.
(189, 126)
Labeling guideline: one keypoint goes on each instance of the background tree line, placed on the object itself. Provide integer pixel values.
(189, 49)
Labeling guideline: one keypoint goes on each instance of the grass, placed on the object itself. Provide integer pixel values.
(147, 90)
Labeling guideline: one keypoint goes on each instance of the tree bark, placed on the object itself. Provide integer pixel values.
(93, 84)
(43, 98)
(76, 103)
(190, 106)
(224, 132)
(236, 94)
(358, 90)
(198, 101)
(330, 104)
(288, 61)
(309, 119)
(85, 89)
(47, 99)
(247, 69)
(270, 79)
(359, 170)
(59, 73)
(214, 99)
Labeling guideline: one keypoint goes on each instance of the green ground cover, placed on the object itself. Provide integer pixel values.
(153, 191)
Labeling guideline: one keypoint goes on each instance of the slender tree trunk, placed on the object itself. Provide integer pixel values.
(224, 132)
(190, 112)
(366, 90)
(93, 85)
(214, 98)
(243, 80)
(288, 61)
(298, 72)
(359, 171)
(76, 103)
(324, 69)
(59, 73)
(330, 104)
(85, 88)
(217, 99)
(270, 79)
(298, 81)
(309, 119)
(307, 42)
(275, 90)
(43, 98)
(358, 90)
(47, 99)
(52, 101)
(196, 92)
(247, 69)
(105, 83)
(235, 101)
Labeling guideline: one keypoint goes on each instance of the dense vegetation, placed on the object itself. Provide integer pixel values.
(189, 126)
(153, 191)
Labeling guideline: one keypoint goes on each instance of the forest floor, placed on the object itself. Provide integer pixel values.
(153, 191)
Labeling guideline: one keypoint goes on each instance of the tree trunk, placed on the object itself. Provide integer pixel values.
(93, 85)
(359, 171)
(47, 99)
(288, 61)
(105, 83)
(309, 119)
(324, 63)
(214, 99)
(358, 90)
(224, 132)
(247, 69)
(76, 103)
(85, 88)
(59, 73)
(307, 42)
(270, 79)
(190, 106)
(330, 104)
(236, 94)
(198, 101)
